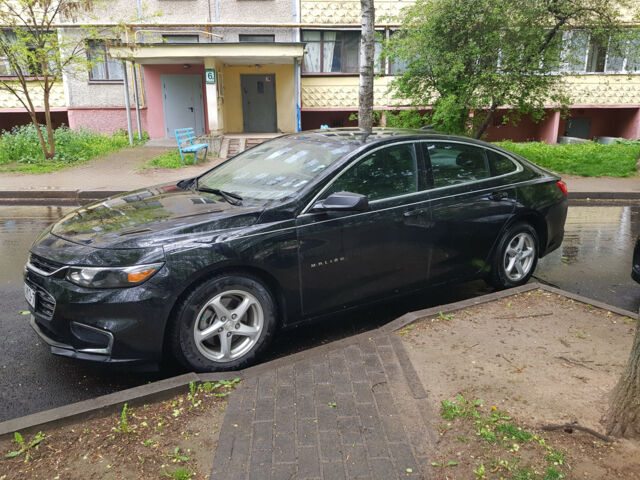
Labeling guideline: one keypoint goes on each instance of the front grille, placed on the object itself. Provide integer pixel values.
(45, 303)
(43, 264)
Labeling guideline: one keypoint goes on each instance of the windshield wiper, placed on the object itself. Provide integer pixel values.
(232, 198)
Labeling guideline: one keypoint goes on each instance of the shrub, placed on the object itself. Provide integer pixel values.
(20, 148)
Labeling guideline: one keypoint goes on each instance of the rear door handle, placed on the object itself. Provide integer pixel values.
(497, 196)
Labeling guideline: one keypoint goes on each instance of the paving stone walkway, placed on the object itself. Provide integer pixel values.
(351, 413)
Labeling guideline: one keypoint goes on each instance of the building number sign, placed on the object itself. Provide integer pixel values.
(210, 76)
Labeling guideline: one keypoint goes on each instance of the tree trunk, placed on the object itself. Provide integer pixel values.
(486, 122)
(623, 419)
(367, 42)
(50, 152)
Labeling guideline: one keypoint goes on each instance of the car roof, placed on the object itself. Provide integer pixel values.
(378, 135)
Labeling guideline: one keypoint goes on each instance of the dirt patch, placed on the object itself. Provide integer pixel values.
(541, 357)
(176, 438)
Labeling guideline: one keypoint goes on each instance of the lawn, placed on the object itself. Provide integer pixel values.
(588, 160)
(172, 159)
(20, 149)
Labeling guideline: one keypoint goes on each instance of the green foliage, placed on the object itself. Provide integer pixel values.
(124, 420)
(552, 473)
(20, 150)
(555, 456)
(462, 408)
(467, 57)
(181, 473)
(587, 159)
(512, 432)
(176, 456)
(171, 159)
(407, 119)
(24, 446)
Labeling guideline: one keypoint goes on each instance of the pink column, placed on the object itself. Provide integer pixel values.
(632, 129)
(549, 128)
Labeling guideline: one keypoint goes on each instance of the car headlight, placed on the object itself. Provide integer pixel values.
(112, 277)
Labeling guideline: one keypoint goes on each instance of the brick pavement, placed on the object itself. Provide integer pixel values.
(354, 412)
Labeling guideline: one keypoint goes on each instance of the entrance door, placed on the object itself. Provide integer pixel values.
(259, 103)
(183, 103)
(579, 127)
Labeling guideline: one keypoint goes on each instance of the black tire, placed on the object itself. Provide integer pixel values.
(500, 276)
(230, 290)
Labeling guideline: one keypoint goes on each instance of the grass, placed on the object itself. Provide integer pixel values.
(588, 159)
(20, 149)
(171, 159)
(501, 449)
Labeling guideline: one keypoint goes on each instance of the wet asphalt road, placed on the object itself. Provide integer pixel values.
(594, 261)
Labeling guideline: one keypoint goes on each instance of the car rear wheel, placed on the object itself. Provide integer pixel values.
(516, 257)
(224, 324)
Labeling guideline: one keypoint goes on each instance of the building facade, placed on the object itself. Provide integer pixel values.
(242, 66)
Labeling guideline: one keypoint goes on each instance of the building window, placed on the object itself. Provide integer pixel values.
(104, 68)
(31, 65)
(330, 51)
(5, 66)
(584, 53)
(597, 54)
(178, 38)
(257, 38)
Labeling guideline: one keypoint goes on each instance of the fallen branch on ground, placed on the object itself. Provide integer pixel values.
(569, 427)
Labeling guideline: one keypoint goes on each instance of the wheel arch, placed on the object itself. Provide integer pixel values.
(259, 274)
(536, 220)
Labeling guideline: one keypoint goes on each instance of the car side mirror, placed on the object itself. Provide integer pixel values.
(342, 202)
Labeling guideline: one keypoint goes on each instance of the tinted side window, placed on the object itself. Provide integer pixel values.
(499, 164)
(454, 163)
(385, 173)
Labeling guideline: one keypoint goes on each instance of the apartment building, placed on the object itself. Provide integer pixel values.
(241, 66)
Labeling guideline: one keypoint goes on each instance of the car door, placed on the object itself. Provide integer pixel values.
(471, 200)
(349, 257)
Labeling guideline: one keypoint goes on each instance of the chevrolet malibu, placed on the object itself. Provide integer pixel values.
(208, 269)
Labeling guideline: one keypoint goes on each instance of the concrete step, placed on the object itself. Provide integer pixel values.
(234, 145)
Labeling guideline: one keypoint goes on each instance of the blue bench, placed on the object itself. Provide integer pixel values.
(187, 136)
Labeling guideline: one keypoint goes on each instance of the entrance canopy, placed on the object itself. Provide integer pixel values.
(243, 53)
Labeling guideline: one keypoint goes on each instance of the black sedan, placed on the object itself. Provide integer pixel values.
(208, 269)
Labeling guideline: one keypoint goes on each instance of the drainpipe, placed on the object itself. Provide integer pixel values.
(297, 5)
(126, 101)
(296, 93)
(136, 98)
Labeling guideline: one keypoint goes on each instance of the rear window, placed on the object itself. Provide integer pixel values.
(455, 163)
(500, 164)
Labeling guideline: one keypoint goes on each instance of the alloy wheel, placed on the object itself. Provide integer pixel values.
(519, 256)
(228, 326)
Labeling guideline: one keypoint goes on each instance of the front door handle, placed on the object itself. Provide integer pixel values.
(497, 196)
(190, 109)
(413, 212)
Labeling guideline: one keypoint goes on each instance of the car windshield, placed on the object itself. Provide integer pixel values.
(276, 169)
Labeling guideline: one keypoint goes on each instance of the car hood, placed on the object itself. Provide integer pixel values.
(151, 217)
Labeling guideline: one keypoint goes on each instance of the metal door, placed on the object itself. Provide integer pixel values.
(579, 127)
(183, 103)
(259, 103)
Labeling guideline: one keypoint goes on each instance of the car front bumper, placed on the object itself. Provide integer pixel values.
(123, 326)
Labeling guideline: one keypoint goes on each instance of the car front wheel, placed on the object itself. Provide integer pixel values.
(224, 324)
(516, 257)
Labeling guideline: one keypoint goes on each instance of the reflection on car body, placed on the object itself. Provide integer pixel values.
(207, 270)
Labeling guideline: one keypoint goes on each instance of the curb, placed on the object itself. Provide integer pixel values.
(80, 197)
(165, 388)
(59, 197)
(603, 196)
